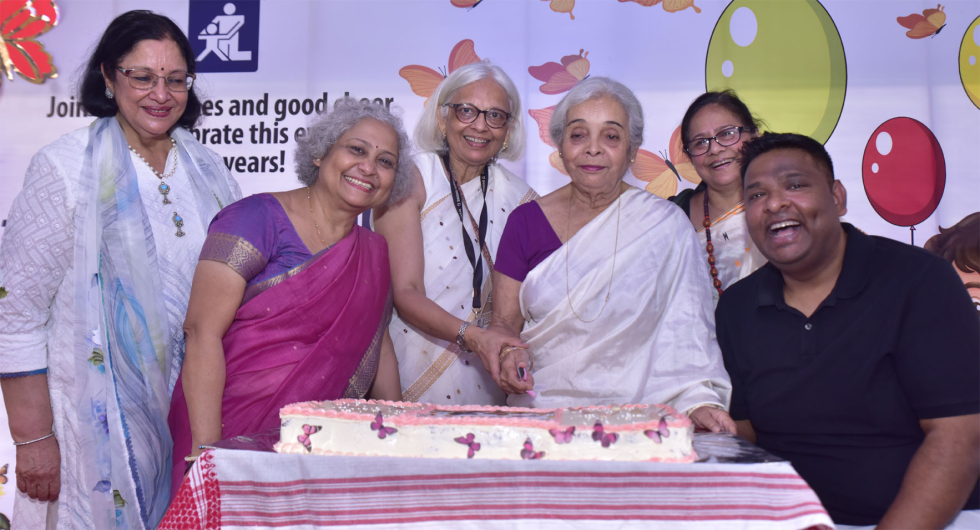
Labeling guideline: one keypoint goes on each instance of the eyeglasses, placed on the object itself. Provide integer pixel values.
(467, 113)
(145, 80)
(724, 138)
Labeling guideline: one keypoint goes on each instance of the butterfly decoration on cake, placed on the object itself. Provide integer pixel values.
(562, 437)
(658, 434)
(929, 23)
(424, 80)
(21, 23)
(670, 6)
(561, 77)
(469, 440)
(662, 173)
(378, 425)
(304, 438)
(606, 438)
(528, 452)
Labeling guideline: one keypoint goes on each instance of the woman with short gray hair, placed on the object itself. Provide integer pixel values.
(443, 237)
(602, 281)
(290, 290)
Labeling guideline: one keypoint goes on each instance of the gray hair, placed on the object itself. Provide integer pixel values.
(593, 88)
(328, 127)
(429, 137)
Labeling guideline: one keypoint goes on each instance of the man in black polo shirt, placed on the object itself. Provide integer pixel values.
(856, 358)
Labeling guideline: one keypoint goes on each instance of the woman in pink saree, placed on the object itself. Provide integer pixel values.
(291, 299)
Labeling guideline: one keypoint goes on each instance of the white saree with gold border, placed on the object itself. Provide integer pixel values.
(653, 342)
(431, 369)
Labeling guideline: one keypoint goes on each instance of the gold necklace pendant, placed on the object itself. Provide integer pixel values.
(568, 295)
(309, 198)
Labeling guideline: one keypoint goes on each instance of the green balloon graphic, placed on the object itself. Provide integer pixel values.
(785, 60)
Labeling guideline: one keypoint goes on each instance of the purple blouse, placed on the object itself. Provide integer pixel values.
(255, 238)
(527, 240)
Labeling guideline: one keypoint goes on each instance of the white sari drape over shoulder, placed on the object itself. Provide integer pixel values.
(655, 340)
(431, 369)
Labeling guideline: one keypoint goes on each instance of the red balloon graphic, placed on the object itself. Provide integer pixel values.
(904, 171)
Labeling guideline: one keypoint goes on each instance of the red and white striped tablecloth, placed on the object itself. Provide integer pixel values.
(249, 489)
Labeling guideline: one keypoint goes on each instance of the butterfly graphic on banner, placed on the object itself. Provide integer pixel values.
(424, 80)
(670, 6)
(662, 173)
(21, 22)
(468, 4)
(561, 77)
(929, 23)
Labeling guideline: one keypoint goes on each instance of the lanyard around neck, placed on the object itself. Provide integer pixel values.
(458, 202)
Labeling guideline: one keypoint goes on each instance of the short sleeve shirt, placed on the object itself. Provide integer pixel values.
(840, 394)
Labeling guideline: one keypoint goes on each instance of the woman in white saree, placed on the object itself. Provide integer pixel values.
(713, 130)
(442, 239)
(603, 281)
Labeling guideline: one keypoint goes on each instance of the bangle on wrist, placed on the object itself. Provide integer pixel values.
(45, 437)
(507, 349)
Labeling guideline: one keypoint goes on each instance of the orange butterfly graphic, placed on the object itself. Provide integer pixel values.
(562, 6)
(3, 474)
(930, 22)
(468, 4)
(662, 173)
(424, 80)
(562, 77)
(670, 6)
(21, 21)
(543, 118)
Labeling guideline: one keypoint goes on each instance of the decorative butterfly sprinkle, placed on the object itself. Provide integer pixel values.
(468, 440)
(305, 437)
(378, 425)
(607, 438)
(659, 433)
(563, 437)
(528, 452)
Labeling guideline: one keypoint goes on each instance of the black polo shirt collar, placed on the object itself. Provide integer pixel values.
(852, 280)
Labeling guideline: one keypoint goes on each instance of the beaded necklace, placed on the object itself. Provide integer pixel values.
(164, 188)
(709, 247)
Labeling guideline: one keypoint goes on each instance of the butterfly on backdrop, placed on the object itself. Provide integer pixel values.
(424, 80)
(562, 6)
(468, 4)
(543, 118)
(929, 23)
(21, 22)
(670, 6)
(561, 77)
(3, 473)
(662, 173)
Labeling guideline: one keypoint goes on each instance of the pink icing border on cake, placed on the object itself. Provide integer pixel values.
(411, 415)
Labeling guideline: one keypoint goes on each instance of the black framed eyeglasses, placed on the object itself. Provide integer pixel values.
(145, 80)
(725, 138)
(467, 113)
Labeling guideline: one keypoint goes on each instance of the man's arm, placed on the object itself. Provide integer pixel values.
(941, 475)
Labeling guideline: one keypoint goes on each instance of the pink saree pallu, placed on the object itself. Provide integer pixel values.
(311, 333)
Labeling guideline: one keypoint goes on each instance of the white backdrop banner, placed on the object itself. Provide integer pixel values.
(891, 87)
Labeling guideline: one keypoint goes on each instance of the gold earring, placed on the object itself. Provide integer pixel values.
(632, 160)
(559, 154)
(504, 147)
(316, 160)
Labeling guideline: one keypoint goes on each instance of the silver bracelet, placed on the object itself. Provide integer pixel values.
(45, 437)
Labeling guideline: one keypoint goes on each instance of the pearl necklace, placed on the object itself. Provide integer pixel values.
(163, 188)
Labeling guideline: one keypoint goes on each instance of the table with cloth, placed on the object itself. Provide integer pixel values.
(734, 485)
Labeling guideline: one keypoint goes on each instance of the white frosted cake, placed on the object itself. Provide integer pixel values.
(383, 428)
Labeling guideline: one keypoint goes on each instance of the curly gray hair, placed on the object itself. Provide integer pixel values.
(429, 137)
(328, 127)
(597, 87)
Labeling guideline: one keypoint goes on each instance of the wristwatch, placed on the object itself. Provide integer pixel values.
(460, 339)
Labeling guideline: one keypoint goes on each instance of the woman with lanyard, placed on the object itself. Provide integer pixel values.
(443, 238)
